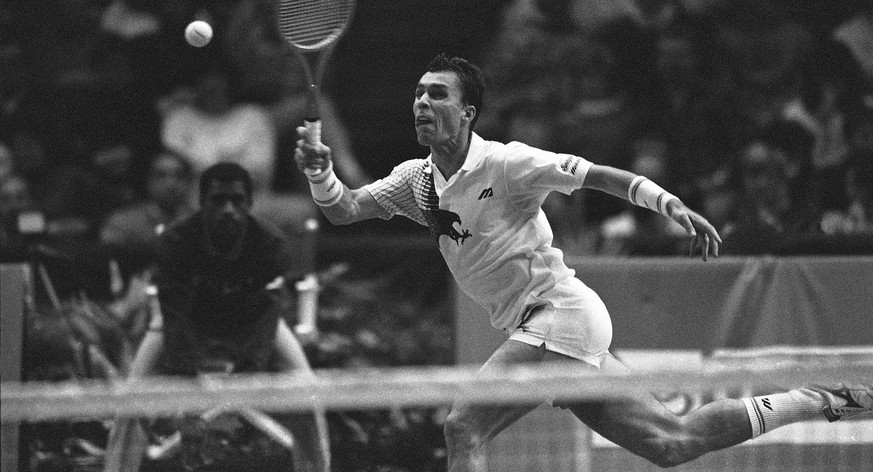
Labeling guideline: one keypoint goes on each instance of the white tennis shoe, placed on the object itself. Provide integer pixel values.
(844, 401)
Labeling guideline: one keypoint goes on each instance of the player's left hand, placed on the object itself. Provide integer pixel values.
(704, 235)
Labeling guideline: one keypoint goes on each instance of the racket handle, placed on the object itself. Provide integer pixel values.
(313, 136)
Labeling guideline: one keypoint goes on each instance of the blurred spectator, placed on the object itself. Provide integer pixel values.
(7, 167)
(776, 205)
(765, 53)
(694, 100)
(574, 76)
(64, 189)
(856, 216)
(860, 128)
(855, 34)
(15, 200)
(62, 74)
(207, 126)
(604, 101)
(525, 70)
(855, 213)
(243, 106)
(133, 231)
(141, 47)
(75, 192)
(582, 80)
(16, 204)
(53, 36)
(824, 108)
(718, 195)
(638, 231)
(69, 201)
(127, 20)
(822, 103)
(115, 165)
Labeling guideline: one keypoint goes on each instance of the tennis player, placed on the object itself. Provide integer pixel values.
(481, 201)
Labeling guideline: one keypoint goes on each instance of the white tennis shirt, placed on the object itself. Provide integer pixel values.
(488, 221)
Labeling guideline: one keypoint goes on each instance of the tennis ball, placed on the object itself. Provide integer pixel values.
(198, 33)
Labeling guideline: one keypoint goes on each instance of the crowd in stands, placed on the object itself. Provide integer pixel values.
(742, 101)
(94, 92)
(759, 114)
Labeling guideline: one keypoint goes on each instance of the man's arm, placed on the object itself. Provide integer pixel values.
(354, 205)
(643, 192)
(340, 204)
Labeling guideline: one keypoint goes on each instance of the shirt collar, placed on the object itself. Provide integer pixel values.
(474, 154)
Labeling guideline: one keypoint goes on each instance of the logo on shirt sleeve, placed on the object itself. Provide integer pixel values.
(570, 164)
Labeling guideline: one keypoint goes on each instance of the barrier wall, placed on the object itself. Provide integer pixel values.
(686, 307)
(13, 297)
(677, 303)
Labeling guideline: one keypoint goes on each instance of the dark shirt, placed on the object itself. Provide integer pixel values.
(219, 307)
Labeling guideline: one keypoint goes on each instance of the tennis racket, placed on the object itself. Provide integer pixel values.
(312, 28)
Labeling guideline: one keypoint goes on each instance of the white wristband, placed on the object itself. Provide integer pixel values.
(645, 193)
(325, 187)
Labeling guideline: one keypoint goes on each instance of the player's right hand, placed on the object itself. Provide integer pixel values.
(311, 156)
(704, 236)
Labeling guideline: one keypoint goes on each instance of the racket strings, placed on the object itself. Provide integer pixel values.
(313, 24)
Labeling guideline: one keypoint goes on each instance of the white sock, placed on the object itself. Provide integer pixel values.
(769, 412)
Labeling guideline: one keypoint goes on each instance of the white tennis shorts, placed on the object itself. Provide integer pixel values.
(572, 320)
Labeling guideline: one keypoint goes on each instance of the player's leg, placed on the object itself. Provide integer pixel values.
(127, 439)
(835, 402)
(645, 427)
(148, 354)
(309, 429)
(469, 427)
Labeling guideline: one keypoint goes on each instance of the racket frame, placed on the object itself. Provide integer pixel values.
(315, 58)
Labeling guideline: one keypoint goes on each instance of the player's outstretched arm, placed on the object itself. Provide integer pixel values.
(643, 192)
(340, 204)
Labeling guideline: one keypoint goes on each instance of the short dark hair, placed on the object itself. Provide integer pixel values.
(470, 76)
(226, 172)
(184, 163)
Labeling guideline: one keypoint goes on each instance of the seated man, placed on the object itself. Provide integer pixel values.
(222, 296)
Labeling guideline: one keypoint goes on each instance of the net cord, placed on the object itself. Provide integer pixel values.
(401, 387)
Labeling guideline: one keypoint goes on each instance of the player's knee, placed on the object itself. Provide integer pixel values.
(460, 433)
(668, 457)
(670, 452)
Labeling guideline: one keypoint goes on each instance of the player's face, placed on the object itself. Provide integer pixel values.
(226, 207)
(440, 113)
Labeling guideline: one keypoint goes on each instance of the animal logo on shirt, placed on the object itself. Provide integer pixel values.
(442, 222)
